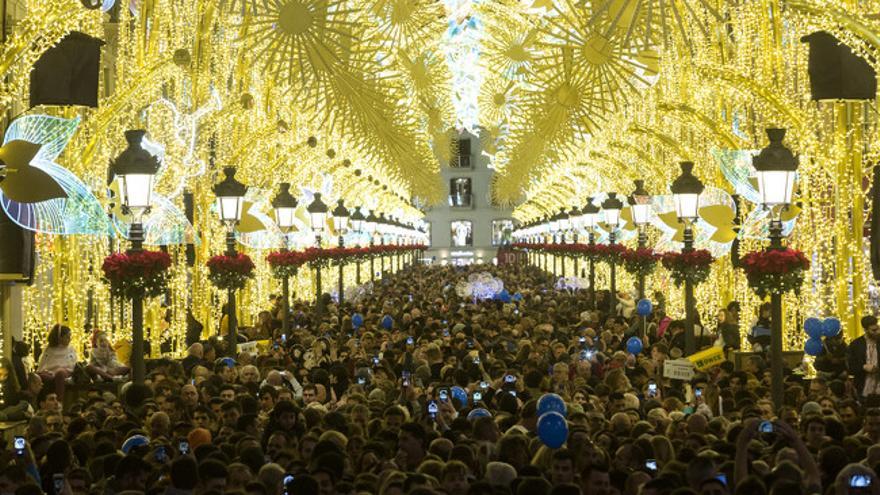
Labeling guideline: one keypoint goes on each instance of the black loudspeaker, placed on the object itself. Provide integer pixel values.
(67, 73)
(17, 251)
(836, 73)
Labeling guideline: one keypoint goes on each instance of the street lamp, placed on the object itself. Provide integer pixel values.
(611, 207)
(230, 200)
(135, 169)
(776, 168)
(284, 205)
(590, 216)
(340, 221)
(317, 211)
(640, 206)
(576, 223)
(357, 224)
(686, 190)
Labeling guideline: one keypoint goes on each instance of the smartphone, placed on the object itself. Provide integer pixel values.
(161, 455)
(766, 427)
(513, 392)
(478, 396)
(193, 382)
(509, 379)
(651, 465)
(859, 481)
(288, 480)
(19, 443)
(376, 361)
(516, 311)
(446, 333)
(283, 338)
(445, 322)
(652, 389)
(410, 341)
(361, 380)
(444, 394)
(433, 408)
(470, 343)
(405, 375)
(183, 447)
(698, 392)
(476, 359)
(722, 478)
(582, 340)
(484, 385)
(58, 482)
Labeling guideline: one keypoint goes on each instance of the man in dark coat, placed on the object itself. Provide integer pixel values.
(862, 359)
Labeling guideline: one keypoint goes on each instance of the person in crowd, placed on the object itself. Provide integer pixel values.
(862, 361)
(102, 358)
(58, 359)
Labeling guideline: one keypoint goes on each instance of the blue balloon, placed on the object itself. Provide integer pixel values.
(387, 322)
(357, 320)
(504, 296)
(478, 413)
(634, 345)
(813, 347)
(644, 307)
(551, 403)
(517, 297)
(830, 327)
(813, 327)
(460, 394)
(552, 430)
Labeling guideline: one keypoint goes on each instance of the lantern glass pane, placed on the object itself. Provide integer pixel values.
(612, 217)
(136, 190)
(686, 205)
(640, 213)
(230, 208)
(284, 217)
(776, 186)
(317, 220)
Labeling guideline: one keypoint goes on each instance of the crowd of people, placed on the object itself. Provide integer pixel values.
(416, 389)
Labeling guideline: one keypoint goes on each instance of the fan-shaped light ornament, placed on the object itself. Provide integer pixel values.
(715, 228)
(58, 201)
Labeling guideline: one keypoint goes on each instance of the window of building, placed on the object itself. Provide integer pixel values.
(462, 233)
(462, 157)
(502, 231)
(460, 191)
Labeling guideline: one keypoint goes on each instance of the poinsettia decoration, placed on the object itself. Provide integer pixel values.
(230, 272)
(640, 262)
(285, 264)
(140, 274)
(775, 271)
(608, 253)
(693, 266)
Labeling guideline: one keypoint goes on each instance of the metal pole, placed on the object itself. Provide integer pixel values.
(372, 257)
(357, 272)
(138, 365)
(318, 277)
(233, 323)
(643, 241)
(776, 360)
(690, 345)
(592, 241)
(612, 301)
(575, 256)
(341, 281)
(285, 306)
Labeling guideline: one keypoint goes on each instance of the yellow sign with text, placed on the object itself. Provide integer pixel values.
(707, 358)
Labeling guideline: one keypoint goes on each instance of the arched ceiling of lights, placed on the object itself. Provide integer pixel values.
(568, 98)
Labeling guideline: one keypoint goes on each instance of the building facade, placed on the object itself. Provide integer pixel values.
(467, 227)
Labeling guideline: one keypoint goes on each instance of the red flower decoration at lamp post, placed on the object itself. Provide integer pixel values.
(138, 274)
(230, 272)
(775, 271)
(694, 266)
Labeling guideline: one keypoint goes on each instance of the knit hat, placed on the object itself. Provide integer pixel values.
(811, 408)
(134, 442)
(197, 437)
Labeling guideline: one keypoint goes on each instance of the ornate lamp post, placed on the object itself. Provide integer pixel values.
(686, 190)
(640, 205)
(340, 220)
(590, 214)
(776, 168)
(230, 200)
(317, 217)
(562, 226)
(357, 225)
(611, 207)
(135, 169)
(382, 229)
(284, 205)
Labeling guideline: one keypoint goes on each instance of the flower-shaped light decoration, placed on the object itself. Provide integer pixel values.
(37, 193)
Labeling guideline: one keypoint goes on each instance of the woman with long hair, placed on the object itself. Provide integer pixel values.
(58, 359)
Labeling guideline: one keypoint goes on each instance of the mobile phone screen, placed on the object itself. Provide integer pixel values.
(183, 447)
